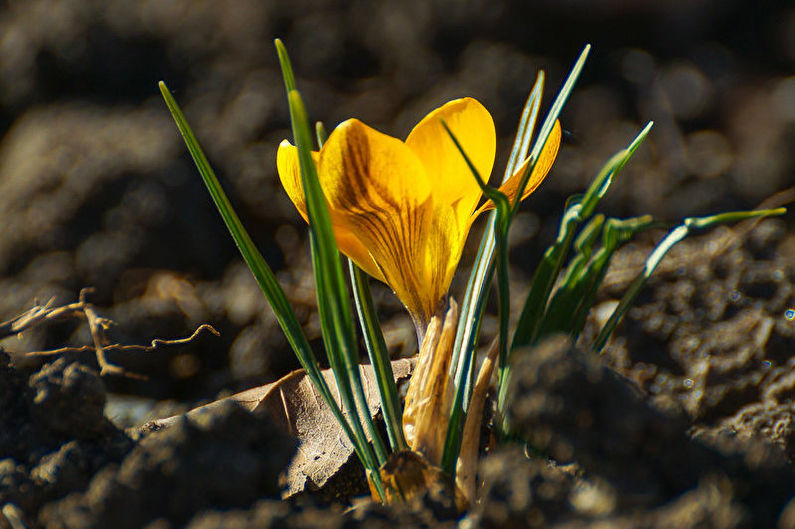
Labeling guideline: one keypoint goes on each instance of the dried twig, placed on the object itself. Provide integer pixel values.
(36, 315)
(157, 343)
(97, 325)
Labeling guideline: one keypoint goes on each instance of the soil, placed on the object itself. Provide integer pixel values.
(687, 419)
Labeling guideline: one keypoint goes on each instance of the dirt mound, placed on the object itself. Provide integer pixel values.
(53, 432)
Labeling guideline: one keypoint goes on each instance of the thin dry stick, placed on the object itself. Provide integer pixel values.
(97, 325)
(36, 315)
(130, 348)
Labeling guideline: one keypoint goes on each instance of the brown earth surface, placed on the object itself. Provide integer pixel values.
(686, 420)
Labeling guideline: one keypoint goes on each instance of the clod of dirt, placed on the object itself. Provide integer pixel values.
(14, 412)
(304, 513)
(69, 399)
(425, 511)
(223, 457)
(521, 492)
(765, 420)
(710, 329)
(576, 409)
(268, 514)
(710, 505)
(53, 434)
(15, 485)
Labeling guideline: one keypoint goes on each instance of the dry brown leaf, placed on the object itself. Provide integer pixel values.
(293, 402)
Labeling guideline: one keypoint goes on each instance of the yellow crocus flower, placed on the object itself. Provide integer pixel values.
(401, 210)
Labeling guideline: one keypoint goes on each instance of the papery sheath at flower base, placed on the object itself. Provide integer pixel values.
(401, 210)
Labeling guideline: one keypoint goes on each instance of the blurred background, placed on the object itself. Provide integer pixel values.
(97, 188)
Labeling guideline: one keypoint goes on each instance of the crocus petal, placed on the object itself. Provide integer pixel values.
(545, 161)
(451, 179)
(442, 243)
(290, 176)
(351, 246)
(379, 191)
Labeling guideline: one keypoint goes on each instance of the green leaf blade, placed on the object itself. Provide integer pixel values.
(688, 226)
(334, 307)
(256, 263)
(379, 358)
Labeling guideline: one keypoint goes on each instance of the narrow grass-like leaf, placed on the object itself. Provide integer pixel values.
(616, 232)
(583, 246)
(552, 117)
(599, 187)
(258, 266)
(500, 200)
(379, 358)
(477, 287)
(503, 207)
(333, 297)
(527, 123)
(471, 311)
(374, 342)
(574, 295)
(473, 305)
(545, 275)
(286, 66)
(503, 210)
(688, 226)
(331, 291)
(541, 285)
(577, 211)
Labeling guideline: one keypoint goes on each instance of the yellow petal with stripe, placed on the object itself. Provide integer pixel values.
(290, 175)
(380, 191)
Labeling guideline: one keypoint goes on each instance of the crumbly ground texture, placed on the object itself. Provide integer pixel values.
(685, 420)
(655, 432)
